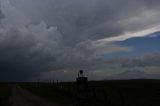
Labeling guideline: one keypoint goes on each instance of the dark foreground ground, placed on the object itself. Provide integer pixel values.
(100, 93)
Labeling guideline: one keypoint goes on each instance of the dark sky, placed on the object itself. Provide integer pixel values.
(53, 39)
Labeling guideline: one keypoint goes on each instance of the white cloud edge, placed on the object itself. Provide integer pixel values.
(126, 36)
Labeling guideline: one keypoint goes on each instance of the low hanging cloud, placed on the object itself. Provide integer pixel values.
(27, 50)
(45, 36)
(85, 19)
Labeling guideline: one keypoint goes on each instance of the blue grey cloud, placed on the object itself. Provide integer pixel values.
(40, 36)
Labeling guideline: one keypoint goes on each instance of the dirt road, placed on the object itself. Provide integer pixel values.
(22, 97)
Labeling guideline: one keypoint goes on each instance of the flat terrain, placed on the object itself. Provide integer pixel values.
(22, 97)
(5, 93)
(100, 93)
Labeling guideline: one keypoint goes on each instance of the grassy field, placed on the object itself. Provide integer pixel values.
(5, 94)
(62, 95)
(101, 93)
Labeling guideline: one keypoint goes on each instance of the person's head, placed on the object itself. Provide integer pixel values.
(81, 72)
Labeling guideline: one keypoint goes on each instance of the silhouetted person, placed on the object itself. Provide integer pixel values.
(82, 89)
(81, 82)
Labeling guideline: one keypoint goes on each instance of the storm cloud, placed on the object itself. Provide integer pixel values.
(46, 36)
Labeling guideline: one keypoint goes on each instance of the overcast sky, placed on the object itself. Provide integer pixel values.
(53, 39)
